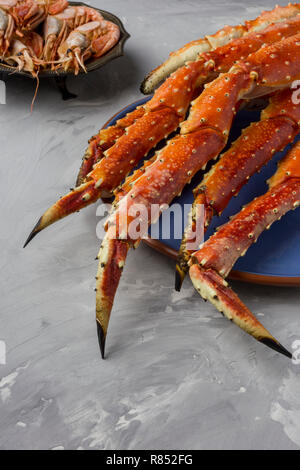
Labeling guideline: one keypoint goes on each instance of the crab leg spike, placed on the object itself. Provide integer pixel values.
(211, 286)
(101, 339)
(254, 148)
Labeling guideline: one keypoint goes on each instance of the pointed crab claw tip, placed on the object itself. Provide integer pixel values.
(101, 339)
(33, 233)
(276, 346)
(179, 278)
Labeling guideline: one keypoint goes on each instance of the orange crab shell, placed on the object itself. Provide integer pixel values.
(233, 239)
(173, 168)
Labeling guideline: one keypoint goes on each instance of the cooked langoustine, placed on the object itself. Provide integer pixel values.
(263, 59)
(71, 34)
(19, 43)
(28, 14)
(109, 37)
(82, 43)
(26, 53)
(58, 26)
(7, 27)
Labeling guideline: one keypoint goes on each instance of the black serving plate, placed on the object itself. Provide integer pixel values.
(92, 64)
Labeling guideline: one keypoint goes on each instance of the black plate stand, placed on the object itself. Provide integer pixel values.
(61, 83)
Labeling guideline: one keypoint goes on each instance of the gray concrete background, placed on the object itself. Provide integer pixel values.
(177, 375)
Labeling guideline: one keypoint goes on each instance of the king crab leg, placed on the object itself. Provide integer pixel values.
(162, 116)
(190, 51)
(243, 47)
(258, 143)
(105, 139)
(215, 259)
(202, 138)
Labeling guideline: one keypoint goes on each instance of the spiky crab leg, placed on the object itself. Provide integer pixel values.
(164, 178)
(192, 50)
(202, 137)
(211, 286)
(258, 143)
(225, 54)
(105, 139)
(222, 58)
(172, 168)
(215, 259)
(162, 116)
(189, 52)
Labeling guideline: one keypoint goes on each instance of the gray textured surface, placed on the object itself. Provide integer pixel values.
(177, 375)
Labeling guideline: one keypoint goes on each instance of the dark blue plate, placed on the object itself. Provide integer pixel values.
(274, 259)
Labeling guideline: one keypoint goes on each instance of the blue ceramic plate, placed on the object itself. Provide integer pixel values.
(274, 259)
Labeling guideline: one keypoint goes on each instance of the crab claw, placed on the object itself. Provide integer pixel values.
(112, 256)
(75, 200)
(214, 288)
